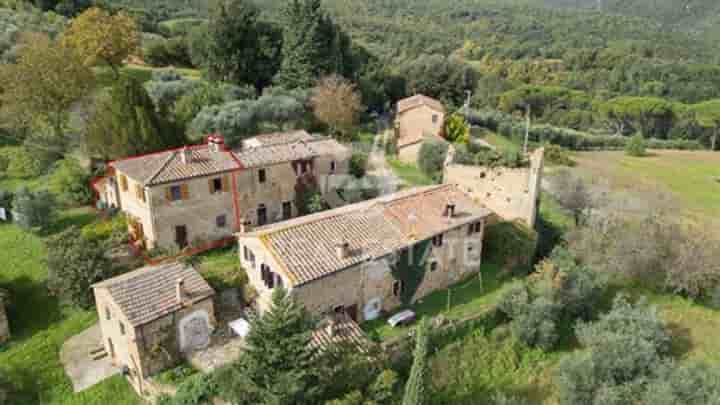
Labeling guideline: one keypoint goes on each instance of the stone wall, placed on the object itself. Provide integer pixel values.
(4, 324)
(511, 193)
(417, 123)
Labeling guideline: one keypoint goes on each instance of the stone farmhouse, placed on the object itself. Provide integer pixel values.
(511, 193)
(203, 193)
(418, 118)
(151, 316)
(369, 257)
(4, 324)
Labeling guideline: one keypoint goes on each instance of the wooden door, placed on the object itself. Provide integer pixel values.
(181, 236)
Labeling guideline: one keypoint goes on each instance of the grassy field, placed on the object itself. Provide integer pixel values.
(40, 326)
(468, 298)
(691, 177)
(410, 174)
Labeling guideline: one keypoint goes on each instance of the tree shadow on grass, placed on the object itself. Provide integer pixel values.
(31, 308)
(682, 343)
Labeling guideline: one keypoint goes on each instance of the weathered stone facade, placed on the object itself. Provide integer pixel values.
(512, 193)
(158, 341)
(4, 323)
(192, 210)
(370, 285)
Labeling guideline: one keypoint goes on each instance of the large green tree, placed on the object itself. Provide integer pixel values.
(74, 264)
(708, 115)
(126, 123)
(45, 83)
(652, 116)
(278, 366)
(313, 45)
(242, 49)
(416, 388)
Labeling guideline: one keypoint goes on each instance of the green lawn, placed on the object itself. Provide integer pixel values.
(498, 141)
(692, 177)
(221, 268)
(410, 174)
(40, 326)
(468, 298)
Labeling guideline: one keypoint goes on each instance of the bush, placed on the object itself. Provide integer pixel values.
(432, 157)
(23, 164)
(536, 326)
(75, 264)
(70, 182)
(33, 210)
(198, 389)
(627, 322)
(173, 51)
(358, 164)
(180, 26)
(636, 146)
(558, 155)
(695, 384)
(510, 245)
(113, 230)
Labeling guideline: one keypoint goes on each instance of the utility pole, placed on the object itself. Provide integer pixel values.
(527, 128)
(467, 102)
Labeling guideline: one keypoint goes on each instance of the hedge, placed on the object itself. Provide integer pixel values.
(507, 126)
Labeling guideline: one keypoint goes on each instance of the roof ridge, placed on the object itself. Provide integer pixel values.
(136, 272)
(162, 167)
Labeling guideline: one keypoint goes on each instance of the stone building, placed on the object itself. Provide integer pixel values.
(418, 118)
(151, 316)
(194, 195)
(512, 193)
(369, 257)
(4, 324)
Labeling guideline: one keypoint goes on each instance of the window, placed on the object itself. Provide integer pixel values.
(268, 276)
(139, 192)
(332, 167)
(123, 183)
(433, 266)
(107, 313)
(216, 186)
(434, 118)
(249, 256)
(221, 221)
(261, 215)
(287, 210)
(122, 328)
(177, 193)
(437, 240)
(262, 176)
(475, 228)
(397, 288)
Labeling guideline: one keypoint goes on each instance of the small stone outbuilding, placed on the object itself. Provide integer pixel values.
(150, 317)
(418, 118)
(4, 324)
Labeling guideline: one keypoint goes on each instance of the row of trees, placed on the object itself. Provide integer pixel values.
(650, 116)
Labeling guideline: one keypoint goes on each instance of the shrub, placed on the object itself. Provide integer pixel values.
(74, 264)
(173, 51)
(33, 210)
(627, 322)
(70, 182)
(358, 164)
(23, 164)
(106, 230)
(695, 384)
(199, 389)
(432, 156)
(537, 325)
(636, 146)
(510, 245)
(558, 155)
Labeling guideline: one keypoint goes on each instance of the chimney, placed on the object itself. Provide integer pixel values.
(180, 290)
(186, 155)
(216, 143)
(342, 250)
(449, 209)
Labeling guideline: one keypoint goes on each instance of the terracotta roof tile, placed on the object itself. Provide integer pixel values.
(306, 246)
(149, 293)
(346, 332)
(417, 101)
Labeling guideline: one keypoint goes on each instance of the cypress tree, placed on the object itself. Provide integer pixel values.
(313, 46)
(278, 366)
(127, 123)
(415, 388)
